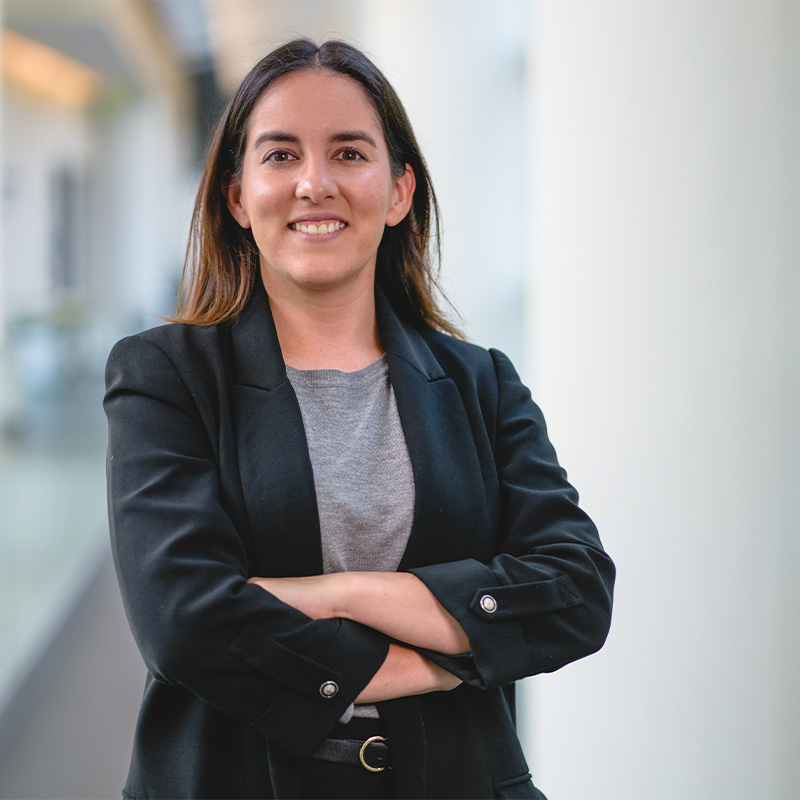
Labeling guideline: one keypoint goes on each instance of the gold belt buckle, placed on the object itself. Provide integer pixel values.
(363, 749)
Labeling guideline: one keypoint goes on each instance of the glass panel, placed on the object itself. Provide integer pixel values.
(52, 431)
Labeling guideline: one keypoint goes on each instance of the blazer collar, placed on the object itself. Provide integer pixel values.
(257, 359)
(401, 340)
(257, 354)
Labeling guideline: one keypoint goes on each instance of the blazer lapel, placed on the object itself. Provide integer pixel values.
(275, 468)
(449, 506)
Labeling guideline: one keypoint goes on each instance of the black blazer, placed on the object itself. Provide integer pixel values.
(210, 483)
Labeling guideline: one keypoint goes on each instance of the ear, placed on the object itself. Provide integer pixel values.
(403, 195)
(232, 189)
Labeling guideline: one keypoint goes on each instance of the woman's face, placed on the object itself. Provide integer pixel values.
(316, 186)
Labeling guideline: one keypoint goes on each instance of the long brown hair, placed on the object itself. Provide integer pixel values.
(222, 259)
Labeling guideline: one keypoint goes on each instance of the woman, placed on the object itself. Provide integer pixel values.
(341, 533)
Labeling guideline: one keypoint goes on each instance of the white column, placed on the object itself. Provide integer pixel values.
(664, 332)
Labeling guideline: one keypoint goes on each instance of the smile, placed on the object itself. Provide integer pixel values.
(318, 228)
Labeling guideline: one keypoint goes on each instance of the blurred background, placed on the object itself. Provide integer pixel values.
(620, 185)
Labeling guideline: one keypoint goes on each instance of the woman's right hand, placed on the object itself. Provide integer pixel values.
(406, 672)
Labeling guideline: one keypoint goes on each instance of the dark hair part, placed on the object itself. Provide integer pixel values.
(222, 259)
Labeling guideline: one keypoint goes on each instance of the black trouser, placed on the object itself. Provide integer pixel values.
(325, 780)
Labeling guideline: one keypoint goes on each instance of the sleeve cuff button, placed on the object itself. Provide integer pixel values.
(329, 689)
(488, 604)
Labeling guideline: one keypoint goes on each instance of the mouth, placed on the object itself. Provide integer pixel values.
(318, 227)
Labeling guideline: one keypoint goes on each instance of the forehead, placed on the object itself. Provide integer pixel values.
(322, 99)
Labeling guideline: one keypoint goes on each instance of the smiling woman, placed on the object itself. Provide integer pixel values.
(223, 258)
(340, 532)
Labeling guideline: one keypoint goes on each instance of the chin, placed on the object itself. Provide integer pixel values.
(326, 278)
(317, 277)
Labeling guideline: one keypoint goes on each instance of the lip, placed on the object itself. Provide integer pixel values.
(317, 218)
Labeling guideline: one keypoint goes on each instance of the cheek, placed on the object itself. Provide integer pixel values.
(259, 188)
(267, 215)
(374, 194)
(264, 196)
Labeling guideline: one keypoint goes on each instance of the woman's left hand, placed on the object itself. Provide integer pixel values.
(395, 603)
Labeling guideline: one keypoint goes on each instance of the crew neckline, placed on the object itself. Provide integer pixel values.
(335, 377)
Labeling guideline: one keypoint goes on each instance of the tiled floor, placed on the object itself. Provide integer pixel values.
(76, 742)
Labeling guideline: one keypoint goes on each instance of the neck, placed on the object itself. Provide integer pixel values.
(327, 329)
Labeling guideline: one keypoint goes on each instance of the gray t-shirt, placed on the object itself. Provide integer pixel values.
(362, 473)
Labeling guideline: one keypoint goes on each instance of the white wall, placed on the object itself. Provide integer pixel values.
(664, 332)
(145, 174)
(32, 155)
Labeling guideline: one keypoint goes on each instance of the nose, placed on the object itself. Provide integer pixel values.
(315, 182)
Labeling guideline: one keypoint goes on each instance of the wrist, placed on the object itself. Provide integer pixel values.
(342, 586)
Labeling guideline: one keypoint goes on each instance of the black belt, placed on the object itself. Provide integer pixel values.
(372, 754)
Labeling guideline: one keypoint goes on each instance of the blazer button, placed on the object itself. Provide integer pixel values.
(488, 604)
(329, 690)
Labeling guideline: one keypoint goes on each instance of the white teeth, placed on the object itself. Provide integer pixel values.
(318, 230)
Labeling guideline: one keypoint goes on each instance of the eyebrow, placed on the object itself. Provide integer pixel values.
(344, 136)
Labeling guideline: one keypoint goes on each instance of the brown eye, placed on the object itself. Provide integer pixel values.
(279, 156)
(350, 154)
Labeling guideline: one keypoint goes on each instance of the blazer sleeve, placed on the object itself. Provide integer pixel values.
(182, 569)
(545, 598)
